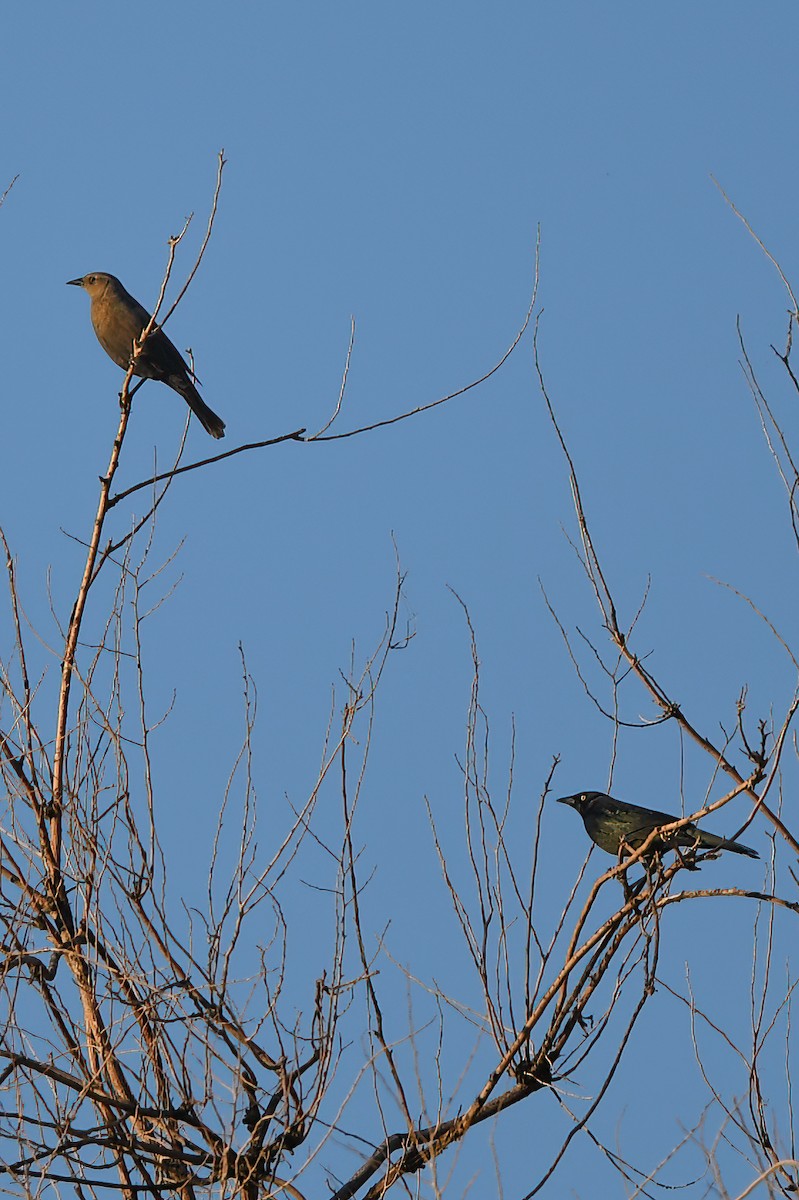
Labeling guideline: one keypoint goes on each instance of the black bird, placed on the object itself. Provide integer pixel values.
(613, 824)
(118, 319)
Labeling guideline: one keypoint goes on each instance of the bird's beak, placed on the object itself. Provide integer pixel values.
(75, 282)
(566, 800)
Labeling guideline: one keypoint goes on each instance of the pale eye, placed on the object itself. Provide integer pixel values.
(583, 797)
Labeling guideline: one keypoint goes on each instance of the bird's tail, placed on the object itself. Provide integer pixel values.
(210, 422)
(710, 841)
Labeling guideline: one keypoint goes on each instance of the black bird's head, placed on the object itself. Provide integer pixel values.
(582, 801)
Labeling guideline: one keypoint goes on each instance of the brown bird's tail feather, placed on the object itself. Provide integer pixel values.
(210, 422)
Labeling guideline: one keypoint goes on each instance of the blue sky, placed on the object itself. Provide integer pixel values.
(393, 163)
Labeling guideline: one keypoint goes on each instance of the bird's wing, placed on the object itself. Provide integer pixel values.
(649, 816)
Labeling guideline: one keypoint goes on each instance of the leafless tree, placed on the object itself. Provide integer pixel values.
(147, 1048)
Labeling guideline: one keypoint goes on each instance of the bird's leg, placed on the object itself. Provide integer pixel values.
(124, 402)
(631, 890)
(654, 870)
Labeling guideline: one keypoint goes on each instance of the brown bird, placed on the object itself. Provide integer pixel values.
(118, 319)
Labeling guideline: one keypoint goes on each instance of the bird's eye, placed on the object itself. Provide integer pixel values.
(583, 797)
(91, 279)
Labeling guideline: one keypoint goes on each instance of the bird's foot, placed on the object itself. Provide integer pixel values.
(688, 859)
